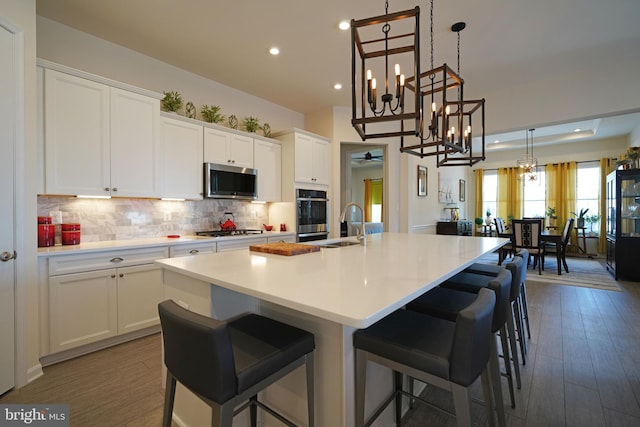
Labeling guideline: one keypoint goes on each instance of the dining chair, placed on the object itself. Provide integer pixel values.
(227, 363)
(526, 235)
(554, 249)
(506, 250)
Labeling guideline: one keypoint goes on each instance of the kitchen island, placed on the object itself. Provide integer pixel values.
(330, 293)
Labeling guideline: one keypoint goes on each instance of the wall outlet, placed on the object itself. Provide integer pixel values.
(167, 216)
(254, 215)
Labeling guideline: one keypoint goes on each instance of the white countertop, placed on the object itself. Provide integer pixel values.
(108, 245)
(352, 285)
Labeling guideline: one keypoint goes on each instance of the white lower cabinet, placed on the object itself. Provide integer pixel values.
(243, 243)
(192, 249)
(97, 296)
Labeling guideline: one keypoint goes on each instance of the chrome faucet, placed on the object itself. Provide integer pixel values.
(361, 235)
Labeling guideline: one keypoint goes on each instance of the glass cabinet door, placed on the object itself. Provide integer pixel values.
(629, 204)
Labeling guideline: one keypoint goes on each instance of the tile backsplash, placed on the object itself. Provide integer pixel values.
(122, 219)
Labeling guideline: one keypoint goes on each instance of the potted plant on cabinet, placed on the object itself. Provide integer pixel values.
(551, 213)
(478, 222)
(211, 113)
(580, 218)
(487, 219)
(171, 102)
(251, 124)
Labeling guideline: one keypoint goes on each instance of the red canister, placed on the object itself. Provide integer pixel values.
(46, 232)
(70, 234)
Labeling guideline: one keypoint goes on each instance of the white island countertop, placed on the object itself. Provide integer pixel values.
(351, 285)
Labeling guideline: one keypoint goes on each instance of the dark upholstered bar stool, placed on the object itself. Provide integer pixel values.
(446, 302)
(520, 308)
(226, 363)
(449, 355)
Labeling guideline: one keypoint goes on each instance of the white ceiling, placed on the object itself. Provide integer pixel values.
(228, 41)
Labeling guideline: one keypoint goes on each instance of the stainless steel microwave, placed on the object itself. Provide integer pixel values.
(230, 182)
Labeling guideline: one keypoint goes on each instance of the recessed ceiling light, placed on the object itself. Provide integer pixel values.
(337, 86)
(577, 130)
(274, 51)
(496, 141)
(344, 25)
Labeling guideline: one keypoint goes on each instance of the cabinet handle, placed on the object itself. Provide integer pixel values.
(116, 259)
(7, 256)
(106, 189)
(194, 251)
(113, 276)
(121, 275)
(114, 189)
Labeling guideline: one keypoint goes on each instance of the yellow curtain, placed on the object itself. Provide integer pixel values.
(510, 201)
(606, 166)
(479, 176)
(561, 189)
(367, 200)
(376, 196)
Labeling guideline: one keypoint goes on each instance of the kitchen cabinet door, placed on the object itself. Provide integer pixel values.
(226, 148)
(76, 135)
(311, 160)
(135, 145)
(82, 309)
(139, 293)
(181, 159)
(268, 163)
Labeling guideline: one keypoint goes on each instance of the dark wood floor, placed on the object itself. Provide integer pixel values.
(583, 369)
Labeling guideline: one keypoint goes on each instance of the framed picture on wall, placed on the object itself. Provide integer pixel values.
(462, 189)
(422, 181)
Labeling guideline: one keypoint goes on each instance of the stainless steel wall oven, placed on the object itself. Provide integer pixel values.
(311, 221)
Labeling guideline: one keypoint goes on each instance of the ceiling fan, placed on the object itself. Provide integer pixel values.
(368, 157)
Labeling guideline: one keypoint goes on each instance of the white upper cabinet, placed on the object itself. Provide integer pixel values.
(99, 140)
(268, 162)
(306, 162)
(311, 160)
(182, 159)
(76, 135)
(135, 145)
(227, 148)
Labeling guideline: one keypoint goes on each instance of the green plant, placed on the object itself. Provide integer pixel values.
(581, 214)
(592, 219)
(488, 213)
(478, 221)
(251, 124)
(172, 101)
(211, 113)
(551, 212)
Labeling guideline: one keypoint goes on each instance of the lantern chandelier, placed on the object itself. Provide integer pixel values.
(528, 163)
(443, 120)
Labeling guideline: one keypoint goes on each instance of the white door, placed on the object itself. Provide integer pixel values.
(8, 107)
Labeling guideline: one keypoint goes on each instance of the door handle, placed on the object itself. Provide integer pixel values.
(7, 256)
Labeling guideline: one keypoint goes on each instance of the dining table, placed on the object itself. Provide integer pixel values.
(546, 236)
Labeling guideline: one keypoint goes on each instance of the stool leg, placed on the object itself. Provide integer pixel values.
(496, 383)
(514, 347)
(309, 362)
(397, 380)
(360, 385)
(488, 397)
(507, 363)
(169, 395)
(462, 403)
(253, 410)
(525, 307)
(517, 314)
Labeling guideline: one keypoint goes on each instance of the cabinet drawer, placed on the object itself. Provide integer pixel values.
(235, 244)
(186, 250)
(289, 238)
(98, 261)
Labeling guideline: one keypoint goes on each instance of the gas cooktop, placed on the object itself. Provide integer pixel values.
(221, 233)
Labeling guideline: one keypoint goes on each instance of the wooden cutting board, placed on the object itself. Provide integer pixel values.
(282, 248)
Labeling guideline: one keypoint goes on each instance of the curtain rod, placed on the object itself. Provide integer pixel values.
(555, 163)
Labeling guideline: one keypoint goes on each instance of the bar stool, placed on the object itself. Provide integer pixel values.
(445, 302)
(520, 306)
(449, 355)
(226, 363)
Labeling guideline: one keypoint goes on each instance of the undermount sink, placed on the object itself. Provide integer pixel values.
(338, 244)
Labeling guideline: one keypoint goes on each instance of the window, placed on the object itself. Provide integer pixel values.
(534, 196)
(490, 192)
(588, 193)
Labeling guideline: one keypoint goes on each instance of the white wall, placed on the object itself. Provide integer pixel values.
(20, 14)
